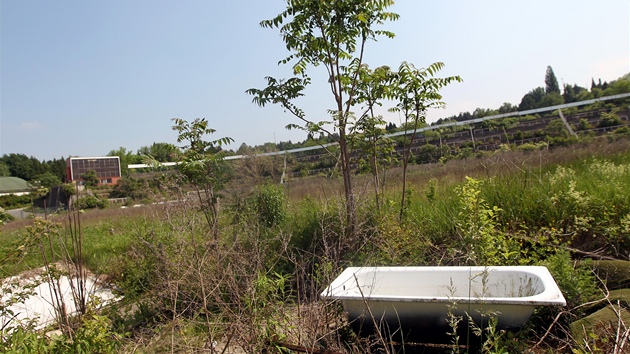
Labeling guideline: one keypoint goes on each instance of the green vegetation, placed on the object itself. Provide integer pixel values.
(12, 201)
(90, 178)
(336, 36)
(91, 202)
(4, 217)
(277, 249)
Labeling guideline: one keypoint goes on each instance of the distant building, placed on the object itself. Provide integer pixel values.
(14, 186)
(107, 169)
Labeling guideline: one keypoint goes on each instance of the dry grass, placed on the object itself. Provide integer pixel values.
(455, 171)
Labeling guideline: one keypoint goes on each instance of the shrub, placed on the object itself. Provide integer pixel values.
(94, 335)
(305, 220)
(584, 124)
(562, 141)
(609, 120)
(270, 205)
(5, 217)
(90, 178)
(25, 340)
(533, 146)
(14, 201)
(556, 128)
(625, 130)
(577, 281)
(477, 226)
(91, 202)
(68, 189)
(130, 187)
(427, 153)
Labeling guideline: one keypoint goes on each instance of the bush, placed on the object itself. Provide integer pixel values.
(562, 141)
(270, 205)
(478, 228)
(93, 335)
(5, 217)
(577, 281)
(305, 223)
(130, 187)
(609, 120)
(69, 189)
(90, 178)
(14, 201)
(584, 124)
(428, 153)
(91, 202)
(533, 146)
(625, 130)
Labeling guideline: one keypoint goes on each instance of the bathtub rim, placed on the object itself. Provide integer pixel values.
(550, 296)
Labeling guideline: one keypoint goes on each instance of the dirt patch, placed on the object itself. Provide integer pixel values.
(33, 296)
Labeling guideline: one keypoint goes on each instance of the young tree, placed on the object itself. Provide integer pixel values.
(4, 170)
(416, 91)
(332, 34)
(48, 180)
(551, 83)
(126, 158)
(533, 99)
(568, 94)
(368, 134)
(370, 141)
(23, 166)
(161, 152)
(90, 178)
(203, 164)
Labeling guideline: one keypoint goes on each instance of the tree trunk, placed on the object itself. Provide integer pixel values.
(404, 185)
(406, 155)
(375, 174)
(347, 184)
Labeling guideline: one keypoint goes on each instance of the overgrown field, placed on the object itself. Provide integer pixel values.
(254, 285)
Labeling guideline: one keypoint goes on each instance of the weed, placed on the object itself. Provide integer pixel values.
(577, 281)
(431, 190)
(270, 205)
(92, 335)
(477, 224)
(453, 320)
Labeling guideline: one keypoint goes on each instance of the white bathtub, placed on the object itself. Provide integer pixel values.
(414, 301)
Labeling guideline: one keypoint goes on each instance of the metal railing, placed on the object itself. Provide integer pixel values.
(419, 130)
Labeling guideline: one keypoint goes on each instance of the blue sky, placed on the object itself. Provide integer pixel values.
(82, 78)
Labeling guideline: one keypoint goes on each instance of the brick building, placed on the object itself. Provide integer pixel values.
(107, 169)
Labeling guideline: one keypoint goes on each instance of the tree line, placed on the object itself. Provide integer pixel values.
(45, 173)
(549, 95)
(52, 173)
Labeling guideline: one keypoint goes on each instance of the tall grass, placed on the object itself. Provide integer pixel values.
(107, 233)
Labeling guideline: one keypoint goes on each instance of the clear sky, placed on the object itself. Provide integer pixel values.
(82, 78)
